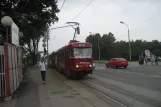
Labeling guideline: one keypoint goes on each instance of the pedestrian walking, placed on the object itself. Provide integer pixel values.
(152, 59)
(156, 60)
(43, 69)
(141, 60)
(146, 60)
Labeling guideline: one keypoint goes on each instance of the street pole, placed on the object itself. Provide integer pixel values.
(98, 49)
(6, 34)
(128, 39)
(47, 48)
(129, 44)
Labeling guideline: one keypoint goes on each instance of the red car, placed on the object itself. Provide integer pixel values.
(117, 62)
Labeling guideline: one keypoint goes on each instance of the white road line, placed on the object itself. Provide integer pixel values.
(98, 68)
(155, 76)
(128, 72)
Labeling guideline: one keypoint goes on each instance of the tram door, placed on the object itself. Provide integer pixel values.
(67, 61)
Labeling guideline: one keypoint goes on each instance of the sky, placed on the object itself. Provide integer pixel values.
(103, 16)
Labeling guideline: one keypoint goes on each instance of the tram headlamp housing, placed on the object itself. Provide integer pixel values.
(77, 66)
(90, 65)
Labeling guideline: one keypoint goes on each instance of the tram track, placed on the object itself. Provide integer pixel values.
(110, 99)
(140, 98)
(100, 95)
(105, 97)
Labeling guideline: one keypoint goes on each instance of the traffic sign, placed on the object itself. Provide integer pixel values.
(44, 45)
(46, 37)
(44, 40)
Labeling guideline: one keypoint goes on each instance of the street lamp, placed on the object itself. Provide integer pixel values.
(98, 47)
(6, 21)
(128, 38)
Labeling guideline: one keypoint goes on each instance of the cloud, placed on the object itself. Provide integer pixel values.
(103, 16)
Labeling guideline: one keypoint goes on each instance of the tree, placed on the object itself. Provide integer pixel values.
(107, 45)
(33, 17)
(94, 40)
(111, 48)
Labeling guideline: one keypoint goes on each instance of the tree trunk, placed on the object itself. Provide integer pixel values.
(34, 51)
(34, 47)
(37, 45)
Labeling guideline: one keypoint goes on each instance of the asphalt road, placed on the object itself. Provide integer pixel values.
(148, 77)
(106, 87)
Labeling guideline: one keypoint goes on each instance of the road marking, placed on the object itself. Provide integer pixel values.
(128, 72)
(98, 68)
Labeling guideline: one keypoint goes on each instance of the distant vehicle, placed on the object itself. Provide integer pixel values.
(117, 62)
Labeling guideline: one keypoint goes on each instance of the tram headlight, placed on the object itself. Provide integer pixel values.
(77, 66)
(90, 65)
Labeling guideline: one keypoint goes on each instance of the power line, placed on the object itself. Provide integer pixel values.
(60, 27)
(62, 6)
(23, 6)
(82, 10)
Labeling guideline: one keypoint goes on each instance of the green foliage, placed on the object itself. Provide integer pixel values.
(111, 48)
(33, 18)
(107, 42)
(94, 40)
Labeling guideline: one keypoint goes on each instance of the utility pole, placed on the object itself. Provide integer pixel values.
(128, 39)
(129, 44)
(98, 48)
(47, 37)
(37, 45)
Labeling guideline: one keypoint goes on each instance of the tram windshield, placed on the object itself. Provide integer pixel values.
(81, 53)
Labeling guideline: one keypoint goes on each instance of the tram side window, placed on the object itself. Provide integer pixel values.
(72, 53)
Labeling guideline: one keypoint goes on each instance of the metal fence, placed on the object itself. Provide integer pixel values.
(10, 69)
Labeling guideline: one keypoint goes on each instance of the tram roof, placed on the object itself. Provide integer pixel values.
(76, 45)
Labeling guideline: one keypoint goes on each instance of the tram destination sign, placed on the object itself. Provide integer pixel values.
(81, 45)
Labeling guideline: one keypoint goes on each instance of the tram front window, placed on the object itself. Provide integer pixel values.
(81, 53)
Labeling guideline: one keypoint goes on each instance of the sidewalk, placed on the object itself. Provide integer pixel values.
(57, 92)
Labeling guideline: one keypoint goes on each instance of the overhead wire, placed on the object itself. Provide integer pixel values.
(82, 10)
(61, 27)
(62, 6)
(23, 6)
(75, 16)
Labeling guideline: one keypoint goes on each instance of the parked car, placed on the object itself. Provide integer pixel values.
(117, 62)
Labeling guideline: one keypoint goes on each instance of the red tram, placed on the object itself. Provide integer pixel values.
(74, 59)
(51, 61)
